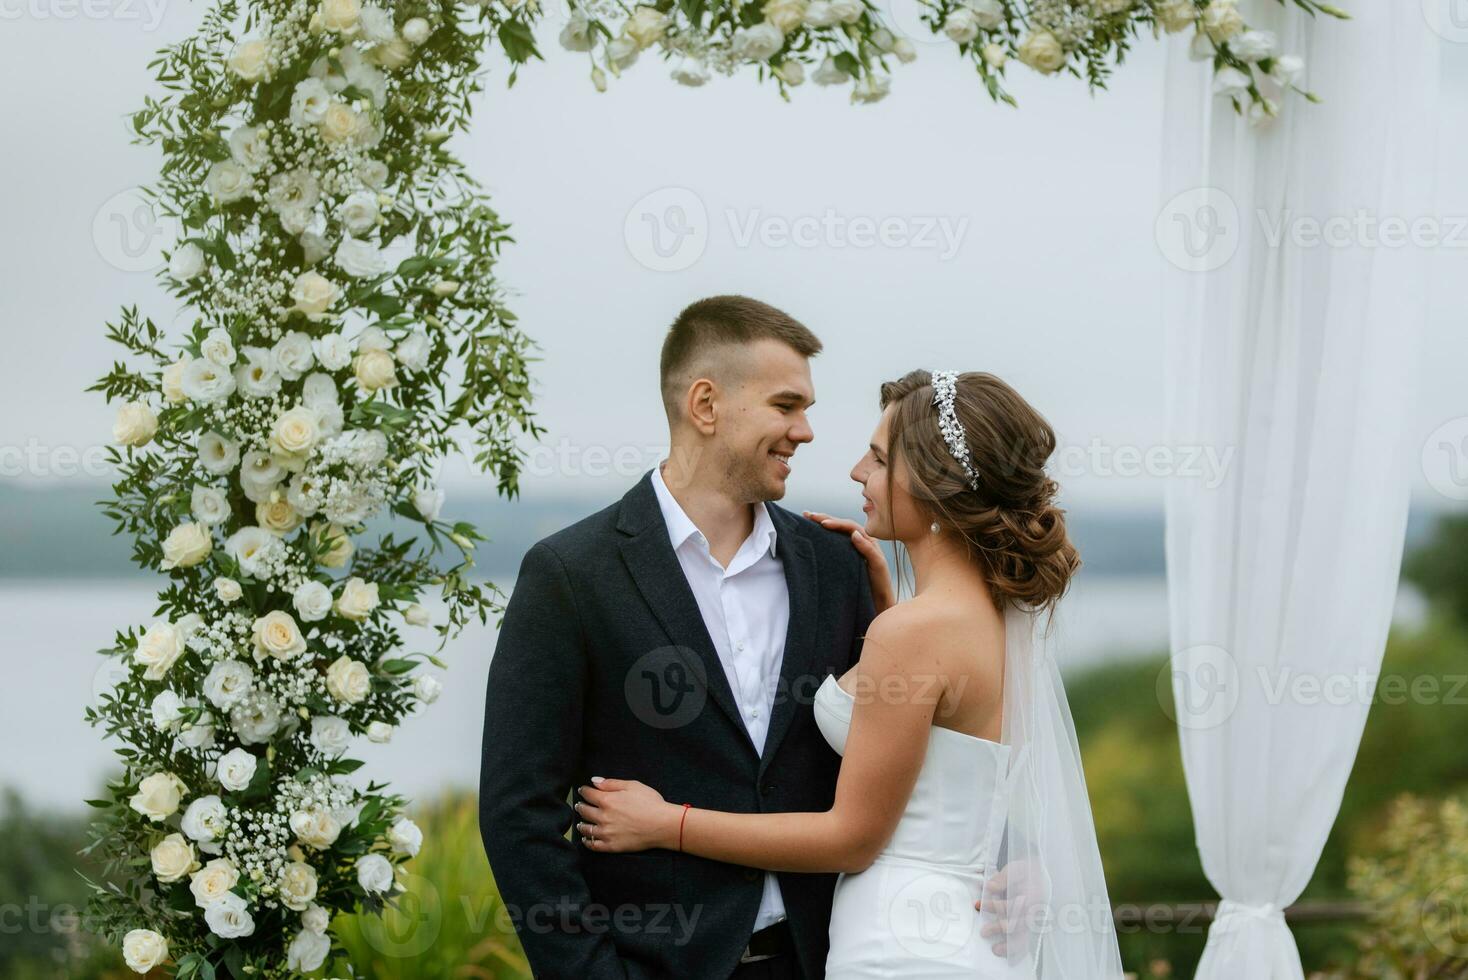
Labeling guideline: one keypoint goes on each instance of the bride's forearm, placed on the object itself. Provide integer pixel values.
(807, 842)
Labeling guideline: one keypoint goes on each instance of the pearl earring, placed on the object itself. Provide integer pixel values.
(934, 527)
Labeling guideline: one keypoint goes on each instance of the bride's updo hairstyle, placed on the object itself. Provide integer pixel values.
(1010, 524)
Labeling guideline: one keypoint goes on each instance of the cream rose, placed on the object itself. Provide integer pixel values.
(277, 516)
(347, 680)
(786, 15)
(312, 600)
(277, 635)
(229, 918)
(173, 857)
(297, 886)
(135, 425)
(250, 60)
(228, 590)
(1176, 15)
(227, 182)
(213, 881)
(296, 431)
(646, 26)
(375, 370)
(333, 545)
(340, 15)
(357, 600)
(159, 646)
(158, 795)
(143, 949)
(172, 384)
(415, 615)
(307, 951)
(340, 123)
(379, 732)
(1042, 52)
(315, 827)
(186, 545)
(1222, 20)
(313, 294)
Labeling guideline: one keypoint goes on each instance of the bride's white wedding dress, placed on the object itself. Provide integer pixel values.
(911, 914)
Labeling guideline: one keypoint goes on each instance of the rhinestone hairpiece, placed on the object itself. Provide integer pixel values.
(945, 385)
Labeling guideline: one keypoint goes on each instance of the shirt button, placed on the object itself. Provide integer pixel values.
(739, 645)
(754, 712)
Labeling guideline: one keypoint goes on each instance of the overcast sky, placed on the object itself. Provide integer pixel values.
(1018, 242)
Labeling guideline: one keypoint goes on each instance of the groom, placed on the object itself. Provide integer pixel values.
(677, 637)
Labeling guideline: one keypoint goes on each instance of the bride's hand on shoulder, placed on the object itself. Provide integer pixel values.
(883, 596)
(620, 815)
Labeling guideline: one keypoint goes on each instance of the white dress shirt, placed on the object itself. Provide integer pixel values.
(746, 608)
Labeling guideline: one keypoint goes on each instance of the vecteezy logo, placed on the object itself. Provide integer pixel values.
(933, 916)
(666, 688)
(1199, 230)
(412, 925)
(1199, 687)
(1445, 459)
(667, 230)
(1445, 917)
(130, 232)
(1448, 19)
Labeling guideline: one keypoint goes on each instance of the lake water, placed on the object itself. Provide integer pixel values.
(54, 629)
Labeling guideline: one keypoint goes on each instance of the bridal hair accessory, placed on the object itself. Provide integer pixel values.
(945, 386)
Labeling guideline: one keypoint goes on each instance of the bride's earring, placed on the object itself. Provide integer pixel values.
(934, 527)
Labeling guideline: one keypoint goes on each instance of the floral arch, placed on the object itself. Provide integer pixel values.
(347, 333)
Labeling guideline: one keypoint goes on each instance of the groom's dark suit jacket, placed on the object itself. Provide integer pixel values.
(604, 667)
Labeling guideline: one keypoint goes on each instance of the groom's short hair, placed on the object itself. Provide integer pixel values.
(703, 327)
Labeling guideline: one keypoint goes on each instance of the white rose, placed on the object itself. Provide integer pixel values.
(291, 356)
(379, 732)
(847, 11)
(143, 949)
(374, 873)
(961, 25)
(905, 51)
(186, 262)
(209, 506)
(428, 501)
(277, 635)
(330, 734)
(277, 516)
(375, 370)
(236, 769)
(405, 837)
(186, 545)
(359, 259)
(172, 383)
(377, 25)
(392, 55)
(427, 688)
(167, 710)
(990, 13)
(319, 389)
(373, 338)
(416, 30)
(373, 173)
(297, 886)
(307, 951)
(1042, 52)
(295, 431)
(199, 734)
(213, 881)
(312, 601)
(413, 350)
(333, 351)
(229, 918)
(315, 827)
(791, 72)
(158, 796)
(818, 13)
(784, 15)
(645, 26)
(172, 857)
(995, 56)
(758, 42)
(228, 590)
(135, 425)
(218, 348)
(1254, 45)
(340, 124)
(340, 15)
(159, 646)
(313, 294)
(204, 820)
(347, 680)
(250, 60)
(228, 182)
(206, 382)
(357, 600)
(217, 454)
(249, 148)
(415, 615)
(1108, 8)
(333, 545)
(1176, 15)
(1222, 20)
(315, 918)
(227, 682)
(358, 213)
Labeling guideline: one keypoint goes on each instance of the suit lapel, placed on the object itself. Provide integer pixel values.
(798, 557)
(650, 560)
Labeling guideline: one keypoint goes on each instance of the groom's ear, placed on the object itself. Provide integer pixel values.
(702, 405)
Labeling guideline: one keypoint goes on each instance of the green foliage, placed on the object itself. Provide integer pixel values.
(1439, 569)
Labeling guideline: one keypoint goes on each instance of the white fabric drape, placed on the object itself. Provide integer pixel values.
(1294, 353)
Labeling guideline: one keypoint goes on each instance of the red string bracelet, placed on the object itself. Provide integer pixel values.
(681, 821)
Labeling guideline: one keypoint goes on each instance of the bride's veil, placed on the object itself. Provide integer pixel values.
(1044, 907)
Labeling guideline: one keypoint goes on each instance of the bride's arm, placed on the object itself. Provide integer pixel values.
(898, 691)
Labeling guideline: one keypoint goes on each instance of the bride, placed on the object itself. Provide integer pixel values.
(960, 784)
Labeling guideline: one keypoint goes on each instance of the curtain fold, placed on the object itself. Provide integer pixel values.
(1291, 324)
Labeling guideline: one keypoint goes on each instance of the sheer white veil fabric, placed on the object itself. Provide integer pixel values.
(1047, 904)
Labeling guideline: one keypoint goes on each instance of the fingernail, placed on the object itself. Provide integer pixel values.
(597, 780)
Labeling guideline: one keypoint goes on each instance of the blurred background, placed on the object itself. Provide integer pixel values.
(934, 229)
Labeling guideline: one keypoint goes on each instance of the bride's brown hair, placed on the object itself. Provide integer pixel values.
(1010, 524)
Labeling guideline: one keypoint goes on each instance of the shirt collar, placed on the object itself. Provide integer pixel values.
(681, 526)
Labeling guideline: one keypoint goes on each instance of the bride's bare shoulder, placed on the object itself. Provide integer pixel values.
(940, 629)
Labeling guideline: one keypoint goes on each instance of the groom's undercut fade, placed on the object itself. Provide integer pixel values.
(705, 334)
